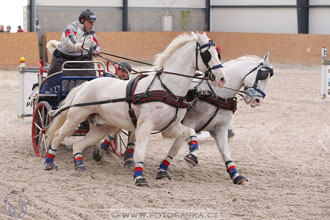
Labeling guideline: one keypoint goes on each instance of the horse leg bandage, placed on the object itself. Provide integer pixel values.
(193, 145)
(165, 163)
(78, 159)
(231, 169)
(106, 143)
(138, 170)
(50, 155)
(129, 153)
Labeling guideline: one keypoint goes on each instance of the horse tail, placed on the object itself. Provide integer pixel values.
(60, 118)
(52, 45)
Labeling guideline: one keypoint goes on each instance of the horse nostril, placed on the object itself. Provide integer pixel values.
(223, 79)
(257, 101)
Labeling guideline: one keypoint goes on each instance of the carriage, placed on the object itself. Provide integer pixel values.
(45, 102)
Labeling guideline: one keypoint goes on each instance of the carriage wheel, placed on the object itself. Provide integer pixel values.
(119, 144)
(40, 122)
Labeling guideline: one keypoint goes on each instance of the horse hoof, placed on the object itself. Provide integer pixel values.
(240, 180)
(129, 164)
(191, 160)
(141, 181)
(163, 174)
(80, 168)
(231, 134)
(96, 155)
(50, 166)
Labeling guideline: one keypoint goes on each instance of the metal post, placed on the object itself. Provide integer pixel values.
(303, 14)
(125, 15)
(32, 16)
(208, 14)
(324, 74)
(21, 69)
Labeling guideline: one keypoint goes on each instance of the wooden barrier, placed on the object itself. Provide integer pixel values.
(142, 46)
(303, 49)
(17, 45)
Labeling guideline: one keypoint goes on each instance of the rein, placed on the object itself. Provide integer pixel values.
(167, 97)
(125, 58)
(196, 76)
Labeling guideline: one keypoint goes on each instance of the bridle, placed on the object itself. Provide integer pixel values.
(262, 74)
(206, 57)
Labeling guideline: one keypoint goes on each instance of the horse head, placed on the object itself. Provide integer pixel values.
(207, 60)
(256, 80)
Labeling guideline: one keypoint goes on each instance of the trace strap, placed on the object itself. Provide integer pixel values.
(219, 103)
(166, 97)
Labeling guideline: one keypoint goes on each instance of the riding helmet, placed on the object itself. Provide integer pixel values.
(124, 66)
(87, 15)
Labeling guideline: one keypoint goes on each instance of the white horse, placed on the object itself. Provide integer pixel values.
(184, 55)
(215, 108)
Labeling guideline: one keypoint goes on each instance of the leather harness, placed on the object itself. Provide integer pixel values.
(166, 97)
(219, 103)
(210, 97)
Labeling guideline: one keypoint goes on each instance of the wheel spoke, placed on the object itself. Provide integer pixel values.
(39, 140)
(121, 144)
(40, 117)
(36, 135)
(38, 126)
(44, 148)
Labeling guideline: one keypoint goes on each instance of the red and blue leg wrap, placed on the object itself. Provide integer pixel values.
(78, 159)
(50, 155)
(138, 170)
(129, 153)
(105, 145)
(193, 144)
(231, 169)
(166, 162)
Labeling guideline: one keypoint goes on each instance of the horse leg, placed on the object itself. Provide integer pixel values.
(231, 132)
(142, 133)
(180, 132)
(95, 135)
(98, 153)
(220, 135)
(163, 167)
(66, 130)
(129, 153)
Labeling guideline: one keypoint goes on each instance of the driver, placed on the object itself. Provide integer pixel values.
(78, 43)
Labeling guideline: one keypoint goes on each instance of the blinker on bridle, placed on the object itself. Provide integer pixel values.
(262, 74)
(206, 57)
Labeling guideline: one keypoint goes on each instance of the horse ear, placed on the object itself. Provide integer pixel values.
(199, 37)
(204, 35)
(266, 58)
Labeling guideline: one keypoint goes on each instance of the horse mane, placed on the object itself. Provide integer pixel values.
(52, 45)
(246, 58)
(180, 40)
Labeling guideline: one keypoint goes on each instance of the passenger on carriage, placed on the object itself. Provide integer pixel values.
(78, 43)
(122, 71)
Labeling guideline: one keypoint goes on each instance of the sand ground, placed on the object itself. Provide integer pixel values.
(282, 147)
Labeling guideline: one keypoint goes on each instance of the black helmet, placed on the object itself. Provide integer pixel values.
(87, 15)
(125, 66)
